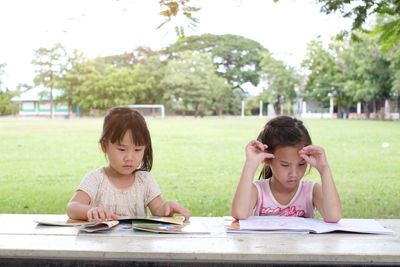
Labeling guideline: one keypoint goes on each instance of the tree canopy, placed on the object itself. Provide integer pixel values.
(388, 10)
(237, 59)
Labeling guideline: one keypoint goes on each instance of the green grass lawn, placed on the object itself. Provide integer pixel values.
(196, 162)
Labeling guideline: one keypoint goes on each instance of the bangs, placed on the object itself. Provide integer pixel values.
(136, 130)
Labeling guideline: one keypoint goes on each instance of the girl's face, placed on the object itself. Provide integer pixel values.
(124, 157)
(288, 167)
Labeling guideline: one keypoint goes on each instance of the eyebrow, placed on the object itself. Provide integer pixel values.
(124, 145)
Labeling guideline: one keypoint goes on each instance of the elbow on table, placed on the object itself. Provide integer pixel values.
(333, 218)
(70, 211)
(239, 215)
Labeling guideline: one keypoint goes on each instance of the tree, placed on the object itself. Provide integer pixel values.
(388, 31)
(72, 77)
(50, 64)
(281, 79)
(365, 74)
(128, 59)
(236, 58)
(190, 80)
(2, 73)
(322, 73)
(150, 72)
(105, 86)
(6, 106)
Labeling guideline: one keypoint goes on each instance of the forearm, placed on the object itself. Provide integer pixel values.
(241, 203)
(331, 205)
(78, 211)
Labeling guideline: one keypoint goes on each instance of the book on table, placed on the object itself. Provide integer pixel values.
(191, 227)
(272, 224)
(93, 226)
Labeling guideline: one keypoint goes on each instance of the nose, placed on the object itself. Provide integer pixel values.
(129, 156)
(293, 172)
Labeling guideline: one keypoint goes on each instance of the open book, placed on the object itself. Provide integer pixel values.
(89, 226)
(300, 224)
(193, 227)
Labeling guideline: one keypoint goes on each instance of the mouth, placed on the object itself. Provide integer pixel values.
(127, 166)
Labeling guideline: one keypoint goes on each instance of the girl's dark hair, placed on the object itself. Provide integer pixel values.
(280, 132)
(118, 121)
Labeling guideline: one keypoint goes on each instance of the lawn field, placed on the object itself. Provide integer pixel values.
(196, 161)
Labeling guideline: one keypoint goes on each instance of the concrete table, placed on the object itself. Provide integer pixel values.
(25, 243)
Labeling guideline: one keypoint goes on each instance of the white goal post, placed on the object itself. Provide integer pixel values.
(150, 107)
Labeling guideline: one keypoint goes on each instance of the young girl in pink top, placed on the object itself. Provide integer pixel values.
(284, 148)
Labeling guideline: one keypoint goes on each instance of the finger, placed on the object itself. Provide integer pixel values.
(167, 210)
(89, 215)
(306, 157)
(108, 215)
(95, 215)
(114, 216)
(183, 211)
(186, 214)
(261, 146)
(102, 214)
(311, 150)
(268, 155)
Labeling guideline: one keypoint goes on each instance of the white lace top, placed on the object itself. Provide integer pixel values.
(132, 201)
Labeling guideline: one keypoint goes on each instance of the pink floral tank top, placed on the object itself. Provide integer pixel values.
(301, 204)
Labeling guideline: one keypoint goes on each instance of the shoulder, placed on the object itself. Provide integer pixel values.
(261, 186)
(261, 183)
(95, 176)
(144, 177)
(308, 184)
(99, 172)
(145, 181)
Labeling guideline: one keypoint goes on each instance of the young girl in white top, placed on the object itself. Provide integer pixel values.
(285, 149)
(125, 187)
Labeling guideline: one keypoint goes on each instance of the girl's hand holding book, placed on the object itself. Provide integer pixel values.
(169, 208)
(99, 214)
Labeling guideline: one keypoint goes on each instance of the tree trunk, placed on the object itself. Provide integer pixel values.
(51, 104)
(366, 109)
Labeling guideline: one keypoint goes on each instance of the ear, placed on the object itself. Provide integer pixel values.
(103, 146)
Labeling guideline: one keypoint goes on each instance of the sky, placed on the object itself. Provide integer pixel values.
(109, 27)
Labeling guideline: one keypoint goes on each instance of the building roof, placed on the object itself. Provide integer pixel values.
(38, 93)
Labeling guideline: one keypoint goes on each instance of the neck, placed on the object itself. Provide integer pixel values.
(112, 173)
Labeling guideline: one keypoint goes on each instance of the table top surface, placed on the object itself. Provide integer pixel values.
(21, 237)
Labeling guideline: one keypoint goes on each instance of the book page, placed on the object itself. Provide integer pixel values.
(97, 226)
(274, 223)
(173, 220)
(367, 226)
(195, 227)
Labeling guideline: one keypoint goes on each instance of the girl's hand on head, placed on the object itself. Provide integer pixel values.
(315, 156)
(99, 214)
(256, 151)
(169, 208)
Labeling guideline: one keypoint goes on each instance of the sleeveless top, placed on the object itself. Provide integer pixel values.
(301, 205)
(132, 201)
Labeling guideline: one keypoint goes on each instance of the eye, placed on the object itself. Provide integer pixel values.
(121, 149)
(139, 149)
(302, 164)
(285, 165)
